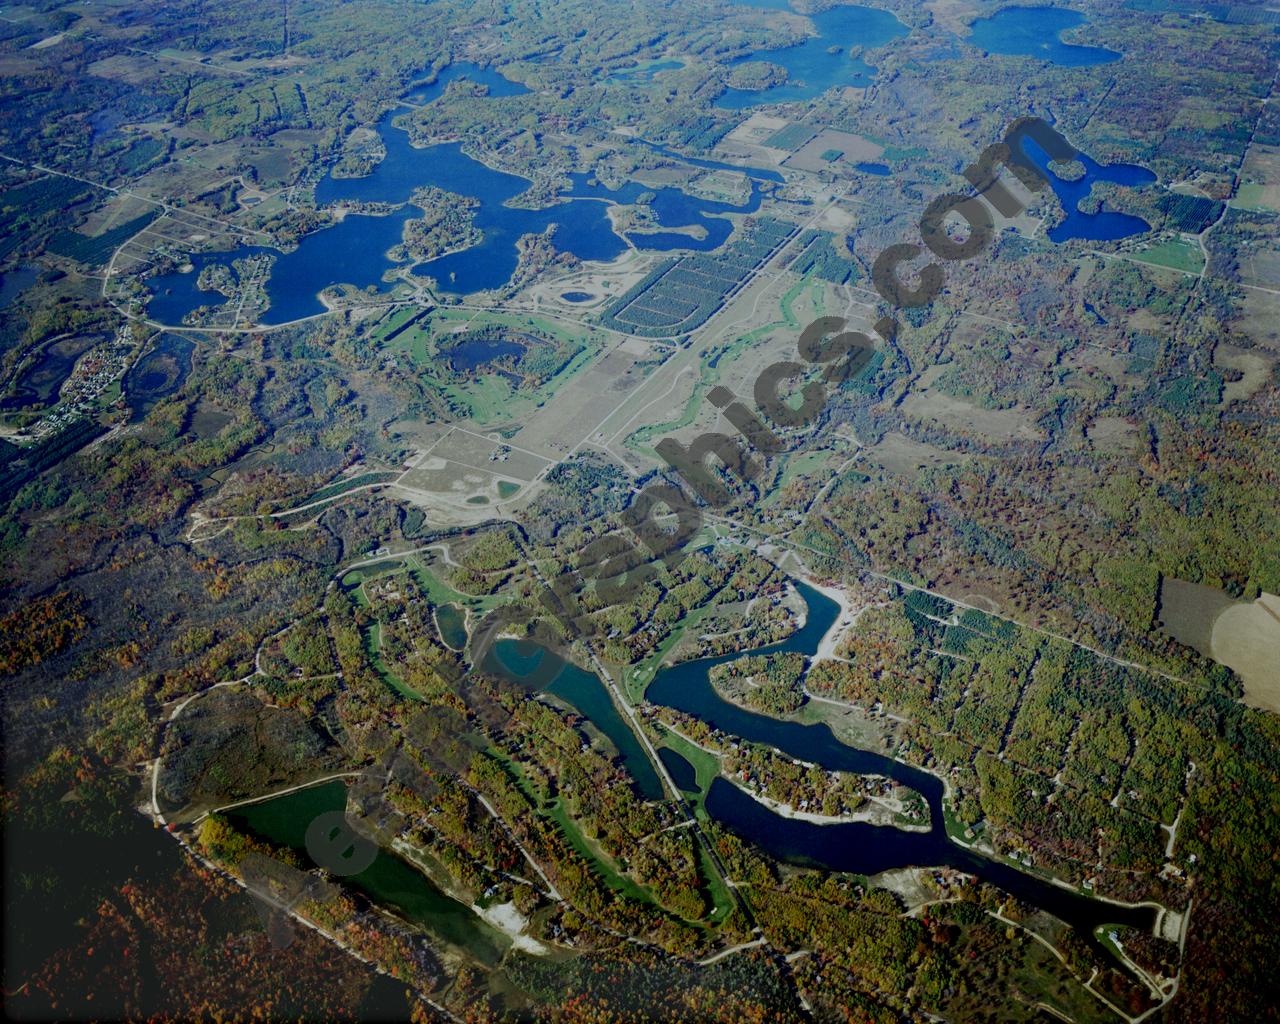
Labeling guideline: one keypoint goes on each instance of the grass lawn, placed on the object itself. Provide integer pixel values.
(556, 812)
(1251, 197)
(439, 592)
(373, 644)
(638, 677)
(706, 766)
(1176, 253)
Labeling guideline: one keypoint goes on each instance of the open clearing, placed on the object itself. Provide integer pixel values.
(1255, 368)
(1260, 180)
(1243, 635)
(1260, 318)
(898, 454)
(926, 403)
(1246, 638)
(1177, 253)
(812, 156)
(747, 140)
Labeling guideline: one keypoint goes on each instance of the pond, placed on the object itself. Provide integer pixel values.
(354, 250)
(159, 373)
(388, 881)
(42, 382)
(856, 847)
(678, 767)
(469, 355)
(1037, 32)
(14, 282)
(812, 67)
(576, 296)
(644, 73)
(1105, 225)
(451, 623)
(585, 693)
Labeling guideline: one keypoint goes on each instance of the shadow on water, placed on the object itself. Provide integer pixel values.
(389, 880)
(518, 661)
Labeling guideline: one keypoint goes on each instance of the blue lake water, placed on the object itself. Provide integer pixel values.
(468, 356)
(14, 282)
(811, 68)
(497, 84)
(855, 847)
(1105, 225)
(354, 250)
(518, 660)
(1037, 32)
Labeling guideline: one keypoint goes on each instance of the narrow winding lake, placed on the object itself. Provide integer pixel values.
(856, 847)
(522, 660)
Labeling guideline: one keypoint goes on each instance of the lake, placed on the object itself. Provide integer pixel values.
(585, 693)
(1105, 225)
(1037, 32)
(855, 847)
(389, 880)
(812, 68)
(498, 86)
(354, 250)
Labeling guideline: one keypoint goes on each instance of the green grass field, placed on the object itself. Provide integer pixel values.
(1175, 253)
